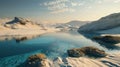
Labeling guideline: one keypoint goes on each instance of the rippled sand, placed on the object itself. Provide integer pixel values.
(109, 61)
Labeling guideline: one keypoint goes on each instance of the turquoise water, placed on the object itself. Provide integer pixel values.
(13, 53)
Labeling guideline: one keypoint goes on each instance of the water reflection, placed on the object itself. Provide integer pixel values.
(16, 49)
(18, 38)
(52, 44)
(107, 41)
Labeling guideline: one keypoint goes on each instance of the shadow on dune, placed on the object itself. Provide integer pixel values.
(102, 42)
(110, 64)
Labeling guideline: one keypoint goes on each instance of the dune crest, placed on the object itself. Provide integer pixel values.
(21, 26)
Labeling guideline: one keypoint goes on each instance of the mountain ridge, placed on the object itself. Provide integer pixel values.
(104, 23)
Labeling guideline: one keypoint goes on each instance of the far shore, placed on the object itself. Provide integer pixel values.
(10, 32)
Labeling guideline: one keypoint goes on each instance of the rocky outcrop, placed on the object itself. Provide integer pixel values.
(108, 39)
(21, 39)
(38, 60)
(18, 20)
(75, 53)
(21, 23)
(88, 51)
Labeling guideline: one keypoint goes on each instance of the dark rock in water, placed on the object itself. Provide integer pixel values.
(108, 39)
(89, 51)
(21, 39)
(75, 53)
(38, 60)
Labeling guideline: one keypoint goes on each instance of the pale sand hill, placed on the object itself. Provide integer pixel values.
(20, 26)
(6, 31)
(3, 28)
(27, 26)
(24, 30)
(84, 62)
(109, 61)
(87, 62)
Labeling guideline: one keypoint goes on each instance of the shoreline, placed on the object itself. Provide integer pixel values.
(12, 32)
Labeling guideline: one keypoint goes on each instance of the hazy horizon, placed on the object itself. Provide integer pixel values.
(56, 11)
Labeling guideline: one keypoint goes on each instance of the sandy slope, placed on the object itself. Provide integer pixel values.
(6, 31)
(109, 61)
(21, 26)
(84, 62)
(27, 29)
(3, 28)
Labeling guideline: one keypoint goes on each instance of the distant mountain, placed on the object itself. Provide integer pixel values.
(77, 23)
(74, 23)
(105, 23)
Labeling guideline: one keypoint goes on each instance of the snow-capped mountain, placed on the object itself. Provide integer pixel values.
(105, 23)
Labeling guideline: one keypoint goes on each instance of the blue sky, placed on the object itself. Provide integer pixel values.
(58, 10)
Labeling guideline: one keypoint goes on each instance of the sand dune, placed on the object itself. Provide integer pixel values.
(6, 31)
(20, 26)
(109, 61)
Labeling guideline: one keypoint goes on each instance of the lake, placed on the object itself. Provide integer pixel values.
(15, 51)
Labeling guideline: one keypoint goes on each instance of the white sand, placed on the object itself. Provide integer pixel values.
(109, 61)
(24, 30)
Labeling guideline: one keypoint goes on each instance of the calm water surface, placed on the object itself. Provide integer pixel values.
(14, 52)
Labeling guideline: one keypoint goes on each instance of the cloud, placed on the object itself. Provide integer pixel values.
(60, 6)
(100, 1)
(113, 1)
(57, 6)
(117, 1)
(55, 2)
(63, 10)
(76, 4)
